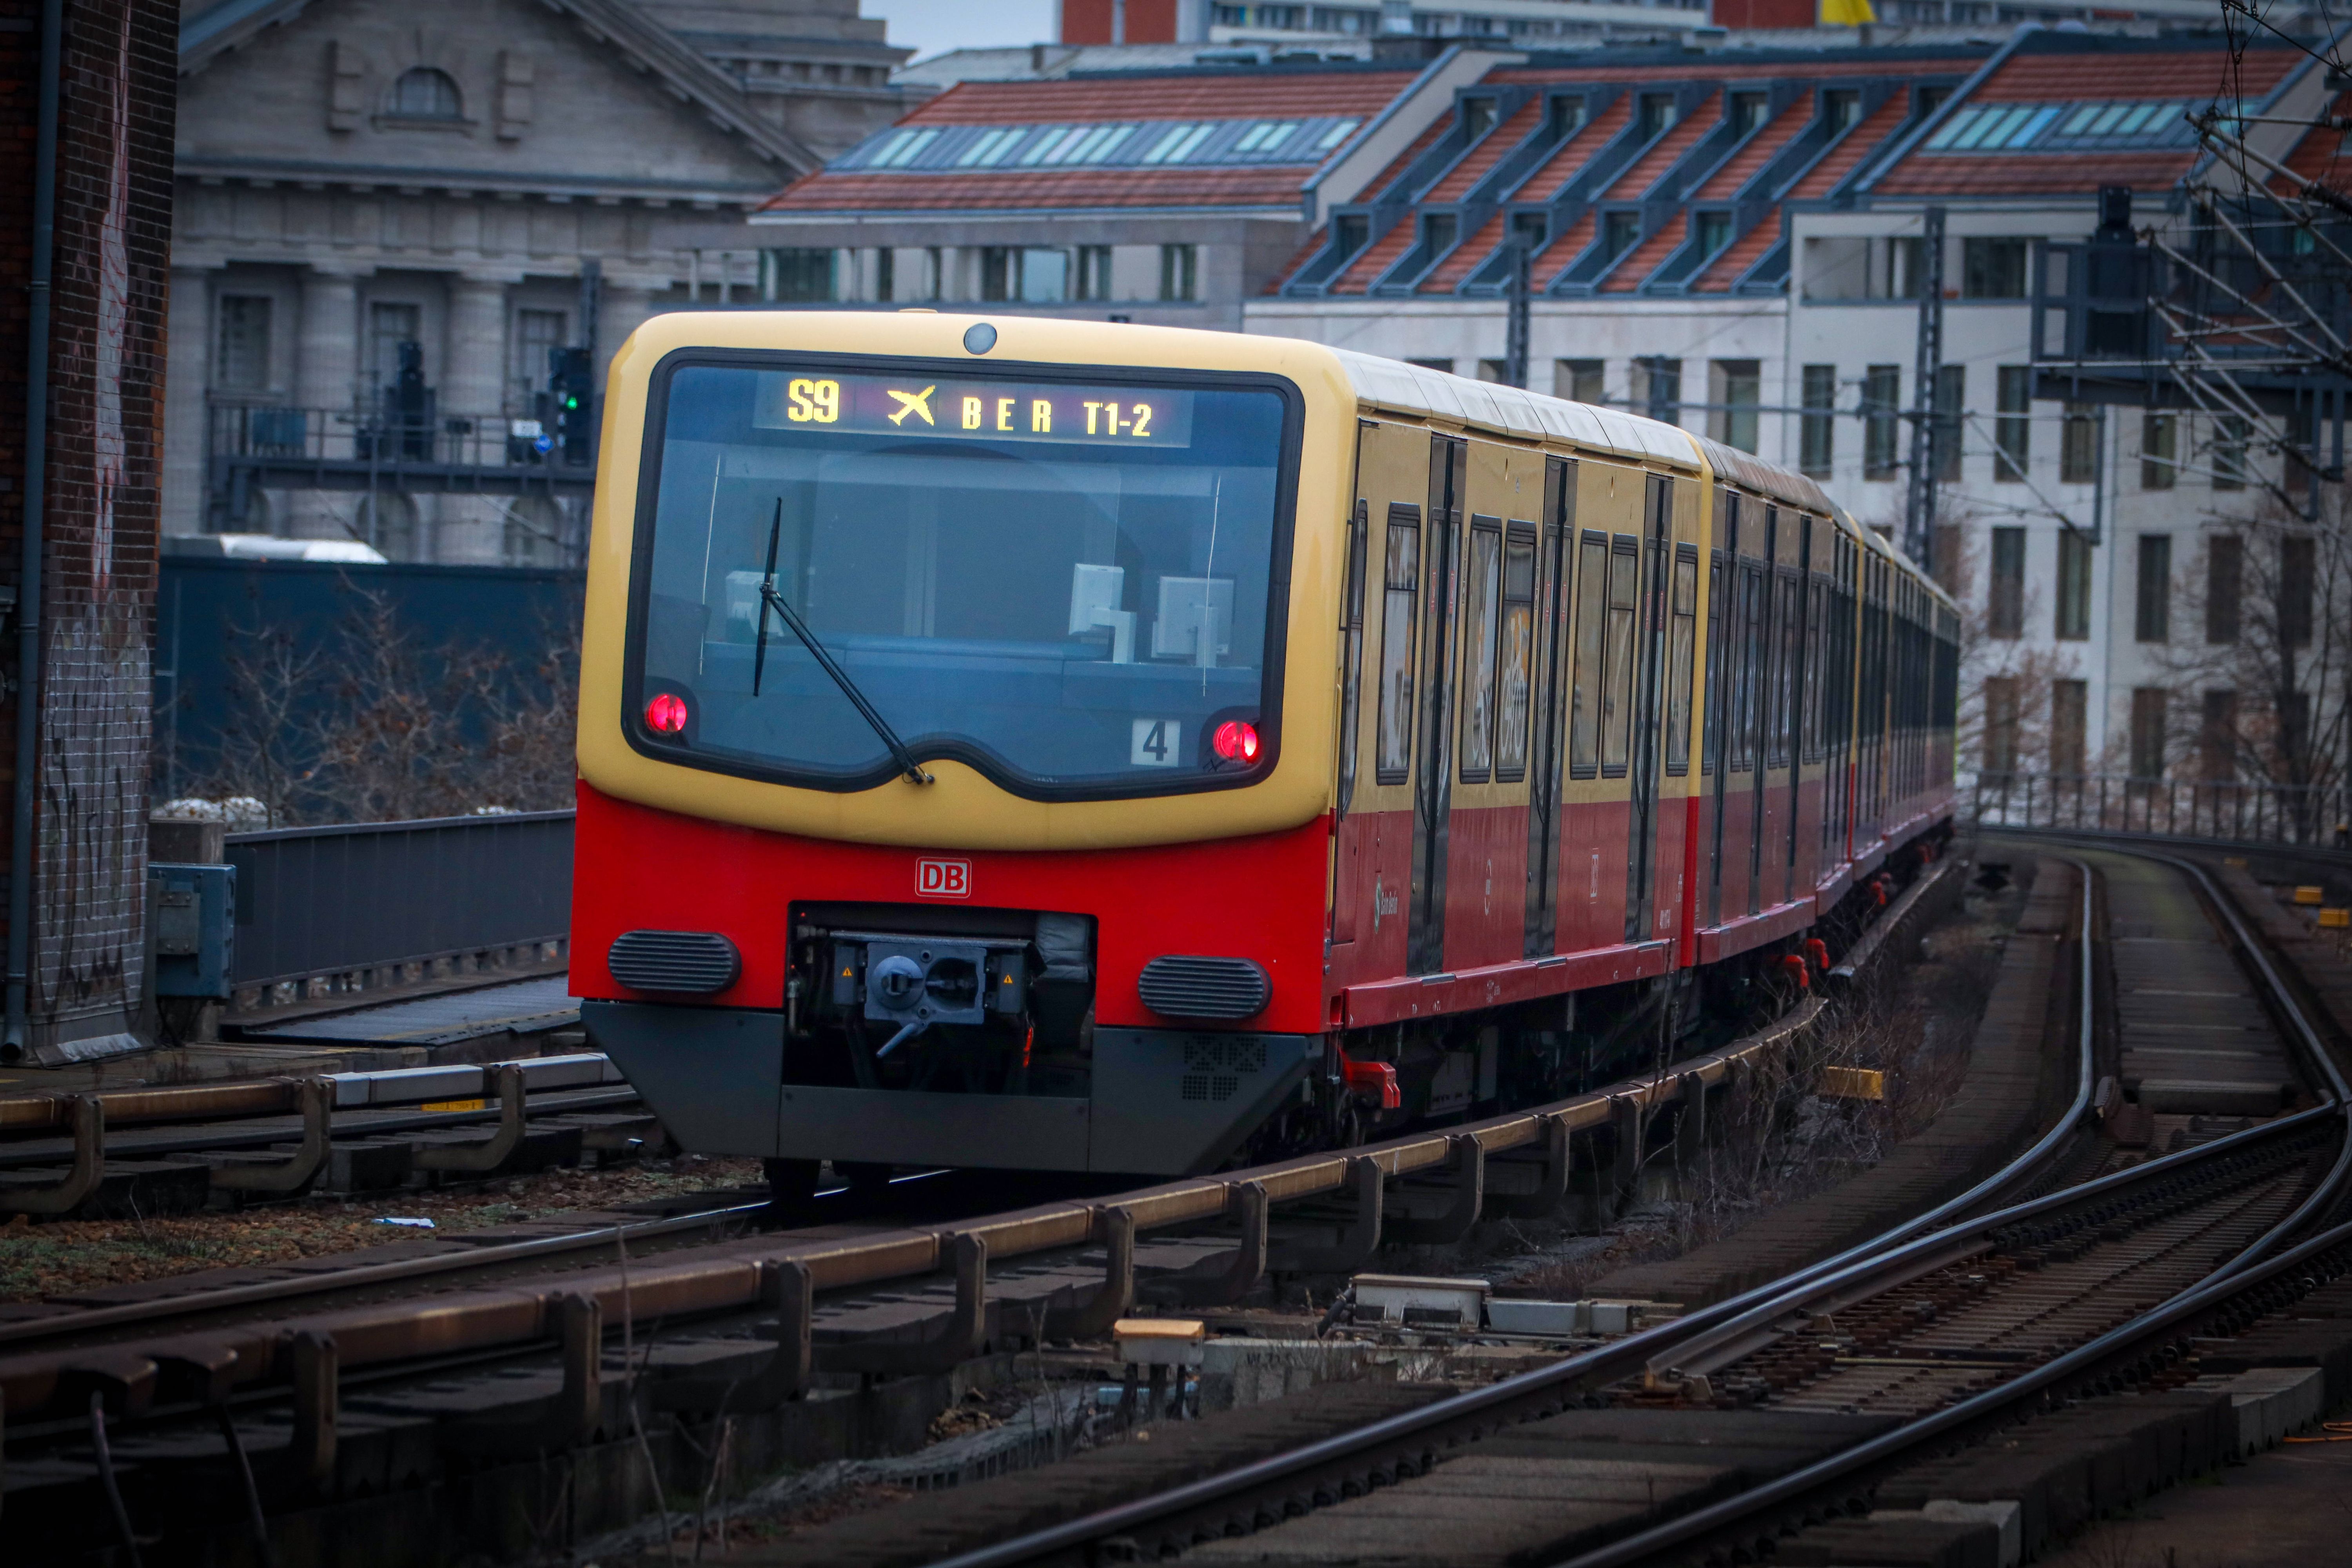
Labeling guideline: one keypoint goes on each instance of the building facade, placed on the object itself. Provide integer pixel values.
(1736, 239)
(391, 216)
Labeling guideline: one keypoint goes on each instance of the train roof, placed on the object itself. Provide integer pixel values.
(1414, 389)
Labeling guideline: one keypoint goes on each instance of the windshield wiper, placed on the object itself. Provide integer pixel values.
(772, 600)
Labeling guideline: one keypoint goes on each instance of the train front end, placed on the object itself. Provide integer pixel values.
(956, 736)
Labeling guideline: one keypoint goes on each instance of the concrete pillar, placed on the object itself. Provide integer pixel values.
(471, 530)
(187, 377)
(625, 305)
(326, 373)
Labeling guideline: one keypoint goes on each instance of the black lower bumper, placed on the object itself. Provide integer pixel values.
(1162, 1101)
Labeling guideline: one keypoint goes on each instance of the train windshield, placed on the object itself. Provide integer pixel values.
(1067, 584)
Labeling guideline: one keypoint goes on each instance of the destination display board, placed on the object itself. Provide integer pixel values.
(975, 409)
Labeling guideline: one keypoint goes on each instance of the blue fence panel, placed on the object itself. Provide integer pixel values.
(322, 900)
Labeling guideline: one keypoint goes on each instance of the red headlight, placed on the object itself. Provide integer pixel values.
(1236, 742)
(665, 714)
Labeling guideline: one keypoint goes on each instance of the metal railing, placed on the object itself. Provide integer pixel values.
(315, 902)
(386, 437)
(2238, 812)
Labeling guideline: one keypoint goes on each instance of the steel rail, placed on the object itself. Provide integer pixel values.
(2232, 1277)
(1510, 1398)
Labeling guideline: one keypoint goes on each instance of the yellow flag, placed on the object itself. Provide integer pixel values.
(1847, 12)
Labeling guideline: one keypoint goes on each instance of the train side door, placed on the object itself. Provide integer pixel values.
(1645, 775)
(1545, 753)
(1449, 474)
(1722, 624)
(1347, 843)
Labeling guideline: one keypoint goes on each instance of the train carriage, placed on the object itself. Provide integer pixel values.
(1076, 746)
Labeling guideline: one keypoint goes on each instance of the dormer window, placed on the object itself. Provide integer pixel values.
(424, 93)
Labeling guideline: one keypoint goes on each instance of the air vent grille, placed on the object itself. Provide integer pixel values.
(695, 963)
(1188, 987)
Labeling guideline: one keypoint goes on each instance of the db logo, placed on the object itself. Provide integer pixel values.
(943, 879)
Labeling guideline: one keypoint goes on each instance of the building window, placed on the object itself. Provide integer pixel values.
(1817, 436)
(538, 334)
(800, 275)
(1658, 114)
(1658, 389)
(2156, 451)
(2298, 565)
(1882, 393)
(2153, 619)
(2225, 578)
(424, 93)
(1714, 232)
(1094, 272)
(1350, 232)
(2229, 435)
(1577, 380)
(1749, 112)
(2013, 432)
(1619, 232)
(886, 275)
(1045, 276)
(391, 326)
(2005, 609)
(2217, 737)
(2001, 725)
(2074, 585)
(1180, 272)
(2078, 446)
(935, 272)
(2070, 703)
(2148, 731)
(1992, 268)
(1950, 427)
(1444, 365)
(1735, 386)
(242, 363)
(1842, 110)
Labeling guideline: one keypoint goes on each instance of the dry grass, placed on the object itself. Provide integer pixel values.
(69, 1256)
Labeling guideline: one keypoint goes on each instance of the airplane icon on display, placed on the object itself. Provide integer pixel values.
(912, 403)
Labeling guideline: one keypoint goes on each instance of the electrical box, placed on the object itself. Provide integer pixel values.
(195, 928)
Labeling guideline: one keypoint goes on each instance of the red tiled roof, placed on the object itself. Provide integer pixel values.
(1570, 154)
(1243, 95)
(1628, 274)
(1722, 69)
(1473, 165)
(1717, 276)
(1464, 257)
(1862, 141)
(2068, 76)
(2318, 157)
(1663, 152)
(1760, 149)
(1376, 259)
(1405, 160)
(1256, 187)
(1561, 251)
(2032, 174)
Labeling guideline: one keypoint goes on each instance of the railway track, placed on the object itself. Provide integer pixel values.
(2086, 1308)
(506, 1354)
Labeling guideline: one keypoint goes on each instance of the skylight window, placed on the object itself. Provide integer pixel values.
(992, 146)
(1265, 135)
(1180, 142)
(1995, 127)
(1053, 141)
(1340, 131)
(904, 149)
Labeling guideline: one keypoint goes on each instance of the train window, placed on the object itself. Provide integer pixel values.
(1784, 685)
(1400, 591)
(1519, 651)
(1068, 586)
(1748, 650)
(1351, 629)
(1816, 672)
(1591, 601)
(1711, 728)
(1681, 654)
(1482, 604)
(1617, 699)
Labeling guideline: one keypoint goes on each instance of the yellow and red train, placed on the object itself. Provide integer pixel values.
(1084, 746)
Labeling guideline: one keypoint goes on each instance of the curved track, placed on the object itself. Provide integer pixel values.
(1939, 1327)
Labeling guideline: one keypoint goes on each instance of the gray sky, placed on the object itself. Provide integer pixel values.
(929, 26)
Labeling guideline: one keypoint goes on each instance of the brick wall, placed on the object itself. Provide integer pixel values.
(105, 449)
